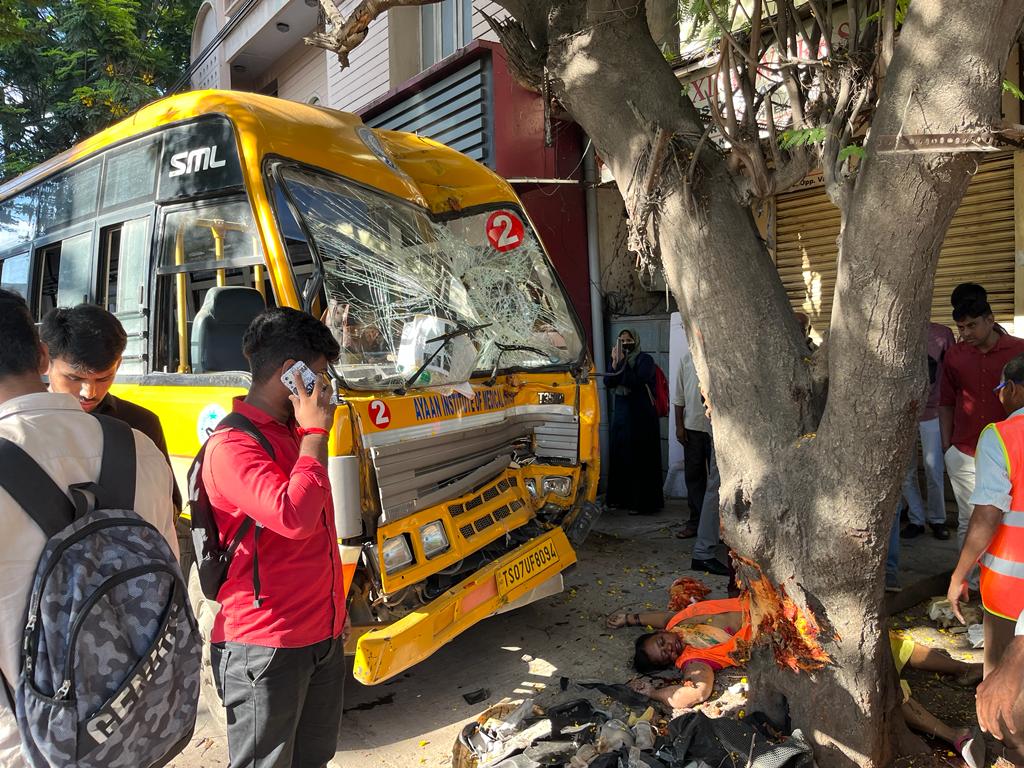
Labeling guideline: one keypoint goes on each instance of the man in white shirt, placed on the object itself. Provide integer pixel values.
(995, 541)
(67, 443)
(693, 431)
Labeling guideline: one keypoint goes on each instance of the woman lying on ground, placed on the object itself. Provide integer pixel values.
(701, 639)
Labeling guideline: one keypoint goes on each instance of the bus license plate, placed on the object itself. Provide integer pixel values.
(527, 566)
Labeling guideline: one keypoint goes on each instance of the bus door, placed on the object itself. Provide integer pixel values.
(209, 282)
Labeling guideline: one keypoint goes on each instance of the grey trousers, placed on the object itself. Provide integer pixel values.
(708, 533)
(283, 704)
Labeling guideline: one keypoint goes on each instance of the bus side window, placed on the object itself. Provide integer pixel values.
(14, 274)
(205, 247)
(63, 274)
(124, 258)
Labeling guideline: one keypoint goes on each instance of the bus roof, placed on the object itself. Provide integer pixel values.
(429, 173)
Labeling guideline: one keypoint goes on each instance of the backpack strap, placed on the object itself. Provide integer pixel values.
(115, 488)
(34, 490)
(235, 420)
(257, 601)
(242, 423)
(117, 484)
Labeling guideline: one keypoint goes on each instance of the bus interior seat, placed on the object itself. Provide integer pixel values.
(219, 326)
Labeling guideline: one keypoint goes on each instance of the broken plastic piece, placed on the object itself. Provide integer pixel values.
(976, 634)
(515, 718)
(614, 736)
(584, 756)
(644, 735)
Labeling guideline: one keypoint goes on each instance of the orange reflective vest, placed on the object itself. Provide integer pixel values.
(723, 654)
(1002, 565)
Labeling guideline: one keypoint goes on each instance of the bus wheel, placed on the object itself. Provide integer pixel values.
(206, 611)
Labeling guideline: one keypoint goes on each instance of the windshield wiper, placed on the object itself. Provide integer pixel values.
(503, 348)
(444, 338)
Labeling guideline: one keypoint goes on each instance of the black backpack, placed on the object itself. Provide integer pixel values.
(212, 558)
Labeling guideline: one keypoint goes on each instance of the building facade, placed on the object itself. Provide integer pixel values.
(434, 70)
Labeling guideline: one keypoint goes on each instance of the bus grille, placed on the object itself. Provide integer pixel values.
(420, 472)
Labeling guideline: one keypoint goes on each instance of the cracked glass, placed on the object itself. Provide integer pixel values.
(397, 282)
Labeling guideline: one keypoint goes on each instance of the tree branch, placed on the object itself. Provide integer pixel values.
(888, 36)
(345, 35)
(525, 60)
(728, 36)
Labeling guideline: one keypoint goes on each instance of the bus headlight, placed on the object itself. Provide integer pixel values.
(433, 538)
(531, 486)
(396, 553)
(558, 485)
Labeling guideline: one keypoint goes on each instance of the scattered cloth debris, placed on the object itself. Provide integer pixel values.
(577, 734)
(716, 741)
(941, 612)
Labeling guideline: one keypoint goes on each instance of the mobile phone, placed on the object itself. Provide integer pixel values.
(299, 369)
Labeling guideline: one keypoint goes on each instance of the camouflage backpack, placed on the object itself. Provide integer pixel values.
(110, 652)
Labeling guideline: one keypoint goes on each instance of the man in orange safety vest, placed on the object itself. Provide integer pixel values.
(995, 537)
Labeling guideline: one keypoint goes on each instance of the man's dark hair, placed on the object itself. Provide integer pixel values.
(975, 307)
(967, 292)
(283, 333)
(19, 342)
(643, 663)
(86, 336)
(1014, 370)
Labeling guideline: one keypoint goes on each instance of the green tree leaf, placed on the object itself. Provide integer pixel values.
(851, 150)
(72, 67)
(802, 137)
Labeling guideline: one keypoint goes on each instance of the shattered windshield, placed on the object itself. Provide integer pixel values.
(453, 297)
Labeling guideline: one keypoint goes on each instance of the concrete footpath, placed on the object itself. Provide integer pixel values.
(628, 562)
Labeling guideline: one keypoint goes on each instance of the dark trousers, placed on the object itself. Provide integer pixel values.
(696, 463)
(283, 704)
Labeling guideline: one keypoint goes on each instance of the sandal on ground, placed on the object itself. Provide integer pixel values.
(971, 747)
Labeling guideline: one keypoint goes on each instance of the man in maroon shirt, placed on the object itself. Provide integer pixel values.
(967, 403)
(278, 656)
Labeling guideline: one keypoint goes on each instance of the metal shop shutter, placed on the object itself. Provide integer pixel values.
(979, 245)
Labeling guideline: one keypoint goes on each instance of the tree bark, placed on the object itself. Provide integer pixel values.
(809, 483)
(810, 464)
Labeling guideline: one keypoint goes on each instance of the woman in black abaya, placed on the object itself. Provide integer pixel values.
(634, 473)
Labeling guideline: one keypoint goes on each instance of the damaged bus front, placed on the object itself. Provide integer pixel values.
(464, 457)
(467, 468)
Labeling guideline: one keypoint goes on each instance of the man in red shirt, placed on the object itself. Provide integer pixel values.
(278, 657)
(967, 401)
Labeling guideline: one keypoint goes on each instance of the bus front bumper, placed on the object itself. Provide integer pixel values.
(383, 653)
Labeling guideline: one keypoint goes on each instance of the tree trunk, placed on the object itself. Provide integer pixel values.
(809, 484)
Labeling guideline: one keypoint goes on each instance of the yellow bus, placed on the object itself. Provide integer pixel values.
(464, 457)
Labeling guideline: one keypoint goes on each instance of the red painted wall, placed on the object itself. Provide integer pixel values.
(558, 211)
